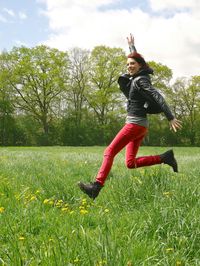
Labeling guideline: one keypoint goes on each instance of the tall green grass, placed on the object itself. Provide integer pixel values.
(146, 216)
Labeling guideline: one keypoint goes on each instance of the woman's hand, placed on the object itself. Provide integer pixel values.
(175, 124)
(130, 40)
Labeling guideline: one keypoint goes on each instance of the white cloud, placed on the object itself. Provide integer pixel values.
(9, 12)
(173, 41)
(22, 15)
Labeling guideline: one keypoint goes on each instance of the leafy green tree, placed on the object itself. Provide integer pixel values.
(38, 76)
(77, 117)
(161, 77)
(7, 122)
(104, 96)
(79, 67)
(187, 104)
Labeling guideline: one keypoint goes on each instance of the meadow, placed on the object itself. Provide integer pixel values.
(145, 216)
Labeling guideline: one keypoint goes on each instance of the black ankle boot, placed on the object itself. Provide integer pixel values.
(92, 189)
(168, 158)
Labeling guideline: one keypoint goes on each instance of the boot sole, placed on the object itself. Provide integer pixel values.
(175, 166)
(174, 163)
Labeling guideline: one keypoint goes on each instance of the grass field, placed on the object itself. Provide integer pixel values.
(149, 216)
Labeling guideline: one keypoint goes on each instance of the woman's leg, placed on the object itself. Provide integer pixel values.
(125, 135)
(131, 152)
(131, 136)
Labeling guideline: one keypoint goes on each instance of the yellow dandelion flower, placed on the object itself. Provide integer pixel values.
(2, 209)
(64, 209)
(76, 260)
(84, 201)
(101, 263)
(169, 249)
(83, 211)
(33, 198)
(17, 197)
(46, 201)
(167, 193)
(51, 202)
(21, 238)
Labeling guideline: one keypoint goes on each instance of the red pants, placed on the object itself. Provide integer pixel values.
(131, 136)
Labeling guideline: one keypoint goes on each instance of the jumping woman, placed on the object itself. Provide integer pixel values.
(143, 99)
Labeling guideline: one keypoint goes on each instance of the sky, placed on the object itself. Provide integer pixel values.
(165, 31)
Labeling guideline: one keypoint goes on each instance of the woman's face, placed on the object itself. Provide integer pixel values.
(132, 66)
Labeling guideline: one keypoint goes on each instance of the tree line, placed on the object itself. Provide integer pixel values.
(51, 97)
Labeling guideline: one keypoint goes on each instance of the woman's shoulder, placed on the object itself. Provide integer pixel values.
(142, 78)
(145, 72)
(141, 81)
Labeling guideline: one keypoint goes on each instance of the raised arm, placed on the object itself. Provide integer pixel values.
(131, 43)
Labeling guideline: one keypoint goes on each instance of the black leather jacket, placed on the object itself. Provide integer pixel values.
(141, 95)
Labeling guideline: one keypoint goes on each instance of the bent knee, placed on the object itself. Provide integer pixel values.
(131, 165)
